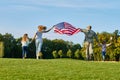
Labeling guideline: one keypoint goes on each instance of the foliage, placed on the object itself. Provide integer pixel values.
(113, 51)
(78, 54)
(55, 54)
(60, 53)
(69, 53)
(12, 47)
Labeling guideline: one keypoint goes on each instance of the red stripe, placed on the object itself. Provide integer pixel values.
(65, 31)
(69, 29)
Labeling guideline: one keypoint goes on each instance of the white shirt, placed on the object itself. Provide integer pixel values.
(25, 43)
(104, 47)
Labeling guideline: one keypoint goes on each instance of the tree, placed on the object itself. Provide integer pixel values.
(117, 50)
(55, 54)
(47, 48)
(13, 47)
(75, 47)
(77, 54)
(116, 35)
(1, 37)
(69, 53)
(60, 45)
(60, 53)
(9, 45)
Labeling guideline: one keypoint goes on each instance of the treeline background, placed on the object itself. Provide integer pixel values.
(59, 48)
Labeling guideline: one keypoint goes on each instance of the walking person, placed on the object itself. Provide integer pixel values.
(25, 43)
(89, 37)
(38, 39)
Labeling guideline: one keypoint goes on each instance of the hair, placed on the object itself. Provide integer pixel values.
(42, 27)
(25, 37)
(90, 26)
(103, 42)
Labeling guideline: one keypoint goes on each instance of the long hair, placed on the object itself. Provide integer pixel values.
(41, 27)
(25, 37)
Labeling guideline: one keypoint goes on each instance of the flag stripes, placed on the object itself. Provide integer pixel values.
(65, 28)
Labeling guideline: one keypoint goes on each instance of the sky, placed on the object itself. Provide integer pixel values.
(23, 16)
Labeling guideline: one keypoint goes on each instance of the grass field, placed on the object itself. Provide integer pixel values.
(58, 69)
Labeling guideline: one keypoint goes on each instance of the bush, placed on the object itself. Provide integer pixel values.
(55, 54)
(60, 53)
(78, 54)
(69, 53)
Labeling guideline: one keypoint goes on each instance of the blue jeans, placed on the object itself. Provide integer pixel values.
(24, 51)
(38, 46)
(103, 55)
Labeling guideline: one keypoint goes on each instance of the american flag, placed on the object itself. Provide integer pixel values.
(65, 28)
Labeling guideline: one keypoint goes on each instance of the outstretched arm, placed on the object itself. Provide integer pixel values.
(83, 30)
(48, 29)
(108, 44)
(34, 37)
(96, 37)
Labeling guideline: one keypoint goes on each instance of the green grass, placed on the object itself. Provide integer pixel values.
(58, 69)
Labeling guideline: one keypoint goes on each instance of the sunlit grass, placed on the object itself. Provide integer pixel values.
(58, 69)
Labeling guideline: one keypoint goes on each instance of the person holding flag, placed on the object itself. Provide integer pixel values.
(88, 41)
(68, 29)
(38, 39)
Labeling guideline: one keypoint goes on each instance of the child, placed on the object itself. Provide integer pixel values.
(38, 39)
(104, 46)
(25, 43)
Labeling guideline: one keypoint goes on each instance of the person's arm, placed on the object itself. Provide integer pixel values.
(48, 30)
(21, 42)
(83, 30)
(100, 44)
(33, 37)
(108, 44)
(28, 42)
(96, 37)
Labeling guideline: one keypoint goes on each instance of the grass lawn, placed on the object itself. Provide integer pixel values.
(58, 69)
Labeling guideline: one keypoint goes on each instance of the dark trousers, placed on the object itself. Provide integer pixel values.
(24, 51)
(103, 55)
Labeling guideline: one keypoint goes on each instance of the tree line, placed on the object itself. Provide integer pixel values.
(59, 48)
(13, 49)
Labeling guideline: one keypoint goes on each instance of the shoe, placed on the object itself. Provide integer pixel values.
(23, 57)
